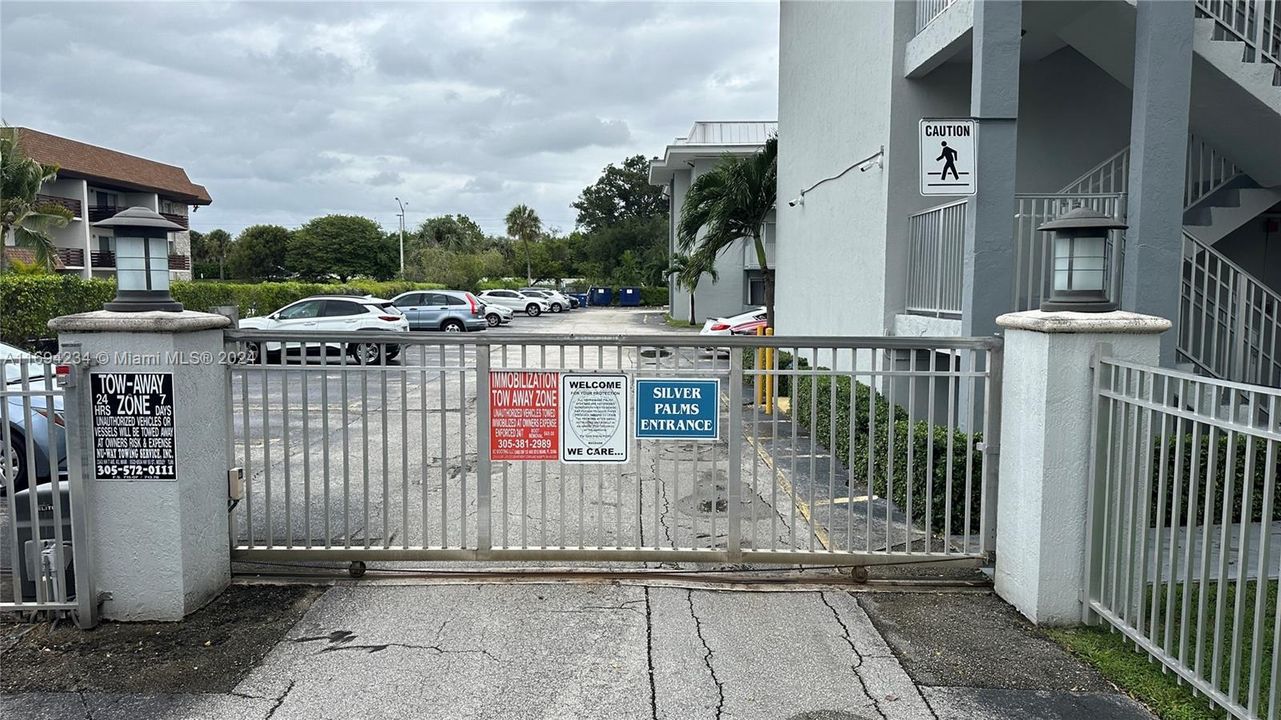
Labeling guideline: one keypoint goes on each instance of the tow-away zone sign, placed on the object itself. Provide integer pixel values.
(524, 415)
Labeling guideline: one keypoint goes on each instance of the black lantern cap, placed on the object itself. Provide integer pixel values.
(1083, 218)
(140, 217)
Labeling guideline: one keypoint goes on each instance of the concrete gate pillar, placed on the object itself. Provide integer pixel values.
(1047, 400)
(159, 547)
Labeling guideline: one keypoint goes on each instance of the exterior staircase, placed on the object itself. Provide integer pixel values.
(1228, 319)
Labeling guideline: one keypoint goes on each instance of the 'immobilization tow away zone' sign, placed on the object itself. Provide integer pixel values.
(524, 415)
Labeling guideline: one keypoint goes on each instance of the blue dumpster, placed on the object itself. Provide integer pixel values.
(581, 298)
(602, 296)
(629, 296)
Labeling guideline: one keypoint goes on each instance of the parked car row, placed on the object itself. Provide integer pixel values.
(417, 310)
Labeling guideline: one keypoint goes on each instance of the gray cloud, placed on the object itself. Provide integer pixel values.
(289, 110)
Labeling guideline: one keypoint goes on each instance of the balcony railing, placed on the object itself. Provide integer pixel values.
(179, 262)
(927, 10)
(72, 257)
(935, 253)
(102, 212)
(171, 217)
(103, 259)
(69, 203)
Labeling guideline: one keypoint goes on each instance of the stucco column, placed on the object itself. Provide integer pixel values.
(1047, 399)
(1158, 159)
(988, 280)
(159, 547)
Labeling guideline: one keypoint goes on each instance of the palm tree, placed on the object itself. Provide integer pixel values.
(688, 270)
(730, 202)
(523, 224)
(30, 221)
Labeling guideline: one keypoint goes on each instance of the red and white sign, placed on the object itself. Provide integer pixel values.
(524, 415)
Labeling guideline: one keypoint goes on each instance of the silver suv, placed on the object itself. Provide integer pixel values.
(445, 310)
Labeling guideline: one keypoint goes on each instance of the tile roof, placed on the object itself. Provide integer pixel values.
(28, 256)
(77, 159)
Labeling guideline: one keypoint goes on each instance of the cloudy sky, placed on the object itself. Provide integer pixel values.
(287, 110)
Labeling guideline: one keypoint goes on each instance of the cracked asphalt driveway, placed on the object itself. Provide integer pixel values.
(574, 651)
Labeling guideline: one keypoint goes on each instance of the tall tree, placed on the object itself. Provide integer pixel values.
(523, 224)
(22, 215)
(731, 202)
(688, 270)
(214, 246)
(342, 246)
(451, 232)
(619, 195)
(260, 252)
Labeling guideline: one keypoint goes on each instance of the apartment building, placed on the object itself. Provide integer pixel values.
(739, 282)
(1163, 113)
(95, 183)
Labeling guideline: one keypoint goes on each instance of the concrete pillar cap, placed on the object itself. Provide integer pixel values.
(1117, 321)
(139, 322)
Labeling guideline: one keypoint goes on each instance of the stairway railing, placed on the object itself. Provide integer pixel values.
(1228, 324)
(1257, 23)
(1207, 170)
(1034, 252)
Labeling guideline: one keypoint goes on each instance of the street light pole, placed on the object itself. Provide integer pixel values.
(402, 236)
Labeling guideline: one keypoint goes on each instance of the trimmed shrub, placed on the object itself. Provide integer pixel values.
(653, 296)
(1190, 475)
(28, 303)
(885, 447)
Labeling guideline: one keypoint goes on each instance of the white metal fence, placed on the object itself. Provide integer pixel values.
(45, 563)
(1183, 528)
(863, 451)
(1228, 322)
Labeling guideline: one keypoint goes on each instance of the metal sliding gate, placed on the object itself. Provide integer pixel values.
(840, 451)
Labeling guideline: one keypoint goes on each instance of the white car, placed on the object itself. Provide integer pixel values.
(725, 326)
(497, 315)
(520, 302)
(335, 313)
(557, 300)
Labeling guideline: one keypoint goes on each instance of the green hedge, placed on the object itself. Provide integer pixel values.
(27, 303)
(854, 448)
(1190, 476)
(653, 296)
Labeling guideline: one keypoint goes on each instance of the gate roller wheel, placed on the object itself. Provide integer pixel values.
(356, 569)
(858, 573)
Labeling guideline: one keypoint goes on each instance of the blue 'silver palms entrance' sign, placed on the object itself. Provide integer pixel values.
(670, 409)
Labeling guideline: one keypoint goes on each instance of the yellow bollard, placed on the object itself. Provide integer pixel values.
(769, 379)
(760, 363)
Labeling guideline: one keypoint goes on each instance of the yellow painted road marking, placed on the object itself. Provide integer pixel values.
(802, 507)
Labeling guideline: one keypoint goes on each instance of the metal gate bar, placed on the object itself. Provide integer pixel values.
(856, 457)
(45, 558)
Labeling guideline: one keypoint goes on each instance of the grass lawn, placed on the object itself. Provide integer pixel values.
(679, 324)
(1131, 669)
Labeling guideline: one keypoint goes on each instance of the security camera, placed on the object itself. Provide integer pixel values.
(798, 200)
